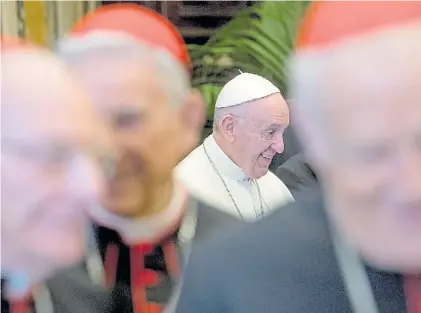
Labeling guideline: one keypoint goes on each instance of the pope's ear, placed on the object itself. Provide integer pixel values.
(227, 125)
(193, 111)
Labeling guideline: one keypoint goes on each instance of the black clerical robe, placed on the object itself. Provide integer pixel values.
(283, 264)
(69, 291)
(153, 270)
(297, 174)
(138, 279)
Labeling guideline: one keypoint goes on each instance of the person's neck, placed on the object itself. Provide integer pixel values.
(160, 200)
(225, 146)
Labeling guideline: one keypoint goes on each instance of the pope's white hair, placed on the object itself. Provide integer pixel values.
(238, 110)
(171, 73)
(220, 113)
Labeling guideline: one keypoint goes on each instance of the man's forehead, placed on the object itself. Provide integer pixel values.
(24, 78)
(377, 105)
(117, 83)
(372, 71)
(39, 97)
(99, 61)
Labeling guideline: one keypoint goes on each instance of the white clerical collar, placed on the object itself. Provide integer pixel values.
(223, 163)
(149, 229)
(18, 284)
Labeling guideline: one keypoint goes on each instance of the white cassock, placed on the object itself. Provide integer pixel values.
(230, 190)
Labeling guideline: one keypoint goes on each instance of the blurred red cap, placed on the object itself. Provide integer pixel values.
(327, 22)
(139, 22)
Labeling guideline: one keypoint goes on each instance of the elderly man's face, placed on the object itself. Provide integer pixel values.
(49, 172)
(259, 135)
(152, 135)
(372, 167)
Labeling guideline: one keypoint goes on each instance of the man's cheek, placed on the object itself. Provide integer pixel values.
(14, 221)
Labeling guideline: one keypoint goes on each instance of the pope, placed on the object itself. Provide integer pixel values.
(231, 168)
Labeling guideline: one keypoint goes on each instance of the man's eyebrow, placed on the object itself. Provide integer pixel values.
(275, 125)
(129, 110)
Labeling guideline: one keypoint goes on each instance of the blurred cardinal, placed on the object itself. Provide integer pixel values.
(136, 68)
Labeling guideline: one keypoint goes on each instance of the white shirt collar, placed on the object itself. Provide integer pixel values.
(18, 284)
(150, 229)
(222, 162)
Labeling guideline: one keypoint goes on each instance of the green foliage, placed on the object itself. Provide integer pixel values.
(258, 40)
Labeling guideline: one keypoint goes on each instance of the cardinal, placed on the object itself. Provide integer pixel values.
(51, 173)
(136, 68)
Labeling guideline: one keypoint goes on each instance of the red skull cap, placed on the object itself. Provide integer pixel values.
(328, 22)
(140, 23)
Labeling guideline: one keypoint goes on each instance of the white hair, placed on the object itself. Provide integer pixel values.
(306, 67)
(219, 113)
(304, 72)
(309, 78)
(171, 73)
(238, 109)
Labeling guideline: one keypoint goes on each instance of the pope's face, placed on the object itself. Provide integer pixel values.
(259, 136)
(148, 130)
(372, 168)
(49, 171)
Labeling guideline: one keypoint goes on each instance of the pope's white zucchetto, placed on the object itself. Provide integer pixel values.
(243, 88)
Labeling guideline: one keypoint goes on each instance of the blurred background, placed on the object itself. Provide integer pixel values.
(223, 37)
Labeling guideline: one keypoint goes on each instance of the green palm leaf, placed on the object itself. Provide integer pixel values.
(258, 40)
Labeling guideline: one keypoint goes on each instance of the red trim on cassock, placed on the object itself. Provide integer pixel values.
(139, 276)
(171, 259)
(110, 264)
(412, 287)
(20, 306)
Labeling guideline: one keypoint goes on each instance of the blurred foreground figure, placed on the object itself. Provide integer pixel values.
(136, 67)
(51, 144)
(355, 246)
(231, 167)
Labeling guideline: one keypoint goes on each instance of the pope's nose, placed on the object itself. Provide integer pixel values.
(278, 146)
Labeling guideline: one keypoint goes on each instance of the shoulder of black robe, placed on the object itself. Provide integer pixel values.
(211, 222)
(284, 263)
(73, 291)
(297, 174)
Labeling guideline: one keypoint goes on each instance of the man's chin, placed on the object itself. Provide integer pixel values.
(124, 208)
(259, 173)
(394, 260)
